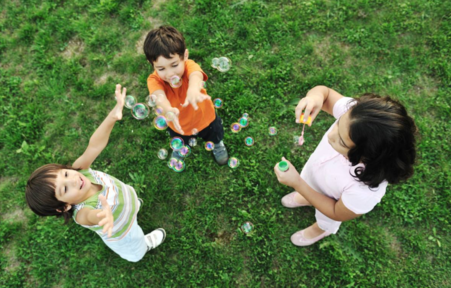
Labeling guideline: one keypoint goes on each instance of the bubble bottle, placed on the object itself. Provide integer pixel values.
(283, 166)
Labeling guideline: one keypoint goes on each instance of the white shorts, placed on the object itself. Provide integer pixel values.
(132, 247)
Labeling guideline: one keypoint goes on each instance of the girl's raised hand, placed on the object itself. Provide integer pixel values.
(120, 99)
(290, 177)
(106, 215)
(311, 107)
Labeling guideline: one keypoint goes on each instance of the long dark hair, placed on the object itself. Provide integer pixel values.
(384, 138)
(40, 192)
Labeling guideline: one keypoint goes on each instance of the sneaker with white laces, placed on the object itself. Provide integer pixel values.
(220, 153)
(155, 238)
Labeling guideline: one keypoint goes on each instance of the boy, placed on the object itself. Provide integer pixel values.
(165, 49)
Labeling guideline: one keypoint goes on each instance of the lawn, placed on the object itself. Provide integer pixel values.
(60, 61)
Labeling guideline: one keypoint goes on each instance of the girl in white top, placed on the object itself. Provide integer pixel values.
(371, 144)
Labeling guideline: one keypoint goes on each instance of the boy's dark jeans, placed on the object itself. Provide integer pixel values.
(213, 132)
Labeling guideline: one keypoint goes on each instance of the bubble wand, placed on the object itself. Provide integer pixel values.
(300, 140)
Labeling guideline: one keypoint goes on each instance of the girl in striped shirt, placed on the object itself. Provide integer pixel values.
(94, 199)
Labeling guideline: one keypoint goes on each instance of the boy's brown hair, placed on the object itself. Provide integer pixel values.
(164, 41)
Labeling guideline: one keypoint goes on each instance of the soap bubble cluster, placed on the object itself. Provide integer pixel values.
(223, 64)
(177, 143)
(243, 122)
(178, 165)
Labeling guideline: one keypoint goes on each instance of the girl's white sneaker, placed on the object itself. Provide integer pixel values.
(155, 238)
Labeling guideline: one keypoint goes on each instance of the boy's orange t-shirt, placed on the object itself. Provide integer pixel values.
(189, 118)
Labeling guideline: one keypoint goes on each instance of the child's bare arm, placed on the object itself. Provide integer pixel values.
(330, 207)
(164, 103)
(193, 95)
(102, 217)
(317, 99)
(99, 139)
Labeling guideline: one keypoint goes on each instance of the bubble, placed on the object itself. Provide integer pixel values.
(218, 102)
(245, 115)
(249, 141)
(194, 132)
(184, 151)
(140, 111)
(179, 165)
(224, 64)
(160, 123)
(170, 116)
(162, 153)
(244, 122)
(176, 143)
(209, 146)
(272, 131)
(235, 127)
(192, 142)
(158, 110)
(172, 162)
(215, 63)
(233, 162)
(203, 85)
(175, 81)
(151, 100)
(130, 101)
(247, 227)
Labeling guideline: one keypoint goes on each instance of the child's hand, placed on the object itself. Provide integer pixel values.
(108, 219)
(120, 99)
(194, 96)
(290, 177)
(312, 107)
(175, 119)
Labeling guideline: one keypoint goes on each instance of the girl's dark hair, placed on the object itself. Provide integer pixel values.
(164, 41)
(384, 138)
(40, 192)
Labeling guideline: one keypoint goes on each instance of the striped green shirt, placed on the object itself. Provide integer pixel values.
(122, 199)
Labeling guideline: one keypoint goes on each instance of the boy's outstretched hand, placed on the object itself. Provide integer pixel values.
(194, 96)
(108, 220)
(174, 119)
(120, 101)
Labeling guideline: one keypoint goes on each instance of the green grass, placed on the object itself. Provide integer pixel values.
(60, 60)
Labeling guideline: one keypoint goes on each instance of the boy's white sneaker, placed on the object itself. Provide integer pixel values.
(155, 238)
